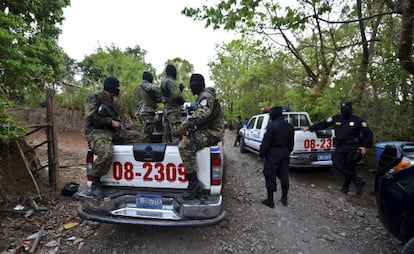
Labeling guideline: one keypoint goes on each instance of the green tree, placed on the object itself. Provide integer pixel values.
(28, 43)
(29, 53)
(127, 66)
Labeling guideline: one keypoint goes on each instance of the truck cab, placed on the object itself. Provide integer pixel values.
(311, 149)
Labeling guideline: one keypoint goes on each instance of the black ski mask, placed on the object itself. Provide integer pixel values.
(275, 112)
(346, 109)
(147, 76)
(111, 85)
(197, 83)
(171, 71)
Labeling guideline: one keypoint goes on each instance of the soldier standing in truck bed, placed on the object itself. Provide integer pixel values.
(172, 99)
(147, 95)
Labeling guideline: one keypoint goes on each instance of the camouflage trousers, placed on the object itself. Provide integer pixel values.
(148, 125)
(203, 139)
(172, 122)
(101, 141)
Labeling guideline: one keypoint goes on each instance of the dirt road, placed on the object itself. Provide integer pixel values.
(318, 220)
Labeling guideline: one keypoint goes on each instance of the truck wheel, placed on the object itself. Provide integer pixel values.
(242, 146)
(408, 247)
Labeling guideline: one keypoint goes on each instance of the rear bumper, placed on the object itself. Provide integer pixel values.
(309, 160)
(123, 209)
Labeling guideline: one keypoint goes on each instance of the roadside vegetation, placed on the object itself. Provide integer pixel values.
(308, 56)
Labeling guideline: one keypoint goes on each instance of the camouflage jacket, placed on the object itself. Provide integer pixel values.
(147, 96)
(207, 113)
(93, 120)
(171, 94)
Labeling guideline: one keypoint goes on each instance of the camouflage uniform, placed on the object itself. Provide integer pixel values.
(100, 134)
(208, 120)
(147, 95)
(172, 99)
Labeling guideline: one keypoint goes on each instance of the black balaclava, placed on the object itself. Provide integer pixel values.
(275, 112)
(346, 109)
(147, 76)
(111, 85)
(197, 83)
(171, 71)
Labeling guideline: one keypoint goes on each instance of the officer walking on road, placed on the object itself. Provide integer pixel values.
(103, 127)
(147, 95)
(239, 125)
(206, 123)
(352, 138)
(172, 99)
(276, 147)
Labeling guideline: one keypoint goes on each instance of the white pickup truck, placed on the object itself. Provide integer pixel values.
(145, 186)
(311, 149)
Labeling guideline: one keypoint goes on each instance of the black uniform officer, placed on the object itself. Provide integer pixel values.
(352, 138)
(276, 147)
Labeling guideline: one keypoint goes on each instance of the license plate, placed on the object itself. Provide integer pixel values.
(324, 157)
(149, 201)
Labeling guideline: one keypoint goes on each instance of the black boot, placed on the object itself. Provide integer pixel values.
(347, 182)
(359, 185)
(284, 199)
(269, 201)
(96, 187)
(194, 186)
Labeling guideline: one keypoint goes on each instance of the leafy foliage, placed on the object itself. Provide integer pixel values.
(127, 66)
(29, 54)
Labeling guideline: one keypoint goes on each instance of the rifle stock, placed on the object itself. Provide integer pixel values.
(104, 110)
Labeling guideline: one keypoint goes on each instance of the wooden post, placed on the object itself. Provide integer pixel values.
(53, 156)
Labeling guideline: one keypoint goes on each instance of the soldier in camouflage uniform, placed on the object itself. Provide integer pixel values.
(209, 130)
(104, 128)
(172, 99)
(147, 95)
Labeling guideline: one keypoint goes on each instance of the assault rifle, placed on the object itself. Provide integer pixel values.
(106, 111)
(193, 140)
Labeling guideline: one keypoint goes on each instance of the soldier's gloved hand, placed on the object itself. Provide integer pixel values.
(183, 131)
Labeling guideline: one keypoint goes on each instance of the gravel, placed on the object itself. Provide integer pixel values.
(319, 219)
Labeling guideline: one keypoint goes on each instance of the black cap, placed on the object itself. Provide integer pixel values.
(171, 71)
(147, 76)
(276, 112)
(111, 85)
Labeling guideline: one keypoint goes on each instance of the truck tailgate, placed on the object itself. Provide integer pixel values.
(144, 165)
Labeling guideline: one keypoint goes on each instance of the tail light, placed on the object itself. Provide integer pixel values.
(89, 162)
(216, 169)
(404, 163)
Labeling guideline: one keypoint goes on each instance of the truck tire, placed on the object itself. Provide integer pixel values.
(408, 247)
(242, 145)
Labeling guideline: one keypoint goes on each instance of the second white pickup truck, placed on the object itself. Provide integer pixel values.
(311, 149)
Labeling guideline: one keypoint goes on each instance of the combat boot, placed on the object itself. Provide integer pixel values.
(345, 186)
(96, 187)
(284, 199)
(359, 185)
(194, 186)
(269, 201)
